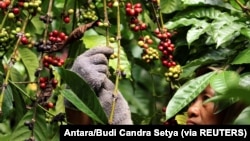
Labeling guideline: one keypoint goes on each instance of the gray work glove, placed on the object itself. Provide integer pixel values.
(92, 65)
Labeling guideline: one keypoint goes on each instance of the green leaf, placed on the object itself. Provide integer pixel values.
(94, 40)
(187, 93)
(195, 32)
(235, 4)
(245, 81)
(30, 61)
(81, 90)
(36, 25)
(70, 96)
(140, 102)
(17, 71)
(245, 31)
(221, 84)
(225, 33)
(182, 22)
(243, 118)
(228, 92)
(7, 105)
(5, 130)
(22, 132)
(199, 13)
(211, 56)
(169, 6)
(203, 2)
(242, 57)
(19, 102)
(54, 131)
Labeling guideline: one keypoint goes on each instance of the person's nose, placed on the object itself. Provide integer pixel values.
(194, 109)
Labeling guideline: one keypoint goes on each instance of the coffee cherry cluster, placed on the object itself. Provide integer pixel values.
(167, 59)
(43, 46)
(150, 54)
(133, 11)
(25, 39)
(56, 38)
(145, 42)
(8, 37)
(15, 11)
(44, 82)
(87, 13)
(166, 47)
(33, 7)
(52, 60)
(4, 4)
(173, 73)
(4, 38)
(47, 84)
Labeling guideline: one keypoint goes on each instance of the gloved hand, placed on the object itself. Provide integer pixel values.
(122, 114)
(92, 65)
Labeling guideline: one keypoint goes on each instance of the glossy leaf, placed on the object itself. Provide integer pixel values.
(19, 101)
(245, 31)
(243, 118)
(169, 6)
(7, 105)
(200, 2)
(18, 72)
(181, 22)
(221, 84)
(188, 92)
(83, 96)
(22, 132)
(200, 13)
(245, 81)
(94, 40)
(30, 62)
(5, 130)
(70, 96)
(224, 30)
(227, 92)
(181, 118)
(242, 57)
(210, 57)
(195, 32)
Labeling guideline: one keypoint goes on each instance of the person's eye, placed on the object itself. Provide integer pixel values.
(205, 97)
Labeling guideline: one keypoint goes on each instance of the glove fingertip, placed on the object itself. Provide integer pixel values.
(107, 51)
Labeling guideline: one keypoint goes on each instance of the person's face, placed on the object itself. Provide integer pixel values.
(200, 113)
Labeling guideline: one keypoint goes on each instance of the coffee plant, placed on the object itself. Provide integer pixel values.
(158, 46)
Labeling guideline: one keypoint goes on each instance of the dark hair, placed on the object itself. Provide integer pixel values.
(233, 110)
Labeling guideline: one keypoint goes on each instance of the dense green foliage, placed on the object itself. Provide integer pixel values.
(203, 32)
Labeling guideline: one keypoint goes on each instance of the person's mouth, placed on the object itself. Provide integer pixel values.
(190, 122)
